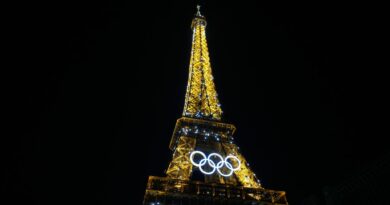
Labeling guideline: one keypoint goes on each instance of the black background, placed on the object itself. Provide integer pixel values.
(96, 88)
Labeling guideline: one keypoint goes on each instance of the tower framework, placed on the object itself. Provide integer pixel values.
(207, 166)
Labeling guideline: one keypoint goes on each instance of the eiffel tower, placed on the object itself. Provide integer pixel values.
(206, 166)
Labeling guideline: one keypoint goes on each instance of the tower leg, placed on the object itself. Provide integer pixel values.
(245, 175)
(180, 166)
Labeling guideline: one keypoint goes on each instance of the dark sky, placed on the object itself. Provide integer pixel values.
(102, 84)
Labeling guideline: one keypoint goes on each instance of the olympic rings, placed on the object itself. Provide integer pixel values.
(215, 165)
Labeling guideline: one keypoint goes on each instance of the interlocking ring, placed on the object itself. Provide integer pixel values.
(215, 165)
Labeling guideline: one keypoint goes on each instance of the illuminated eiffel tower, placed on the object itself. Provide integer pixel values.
(206, 166)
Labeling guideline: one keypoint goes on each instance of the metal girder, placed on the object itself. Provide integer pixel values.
(165, 190)
(245, 175)
(180, 166)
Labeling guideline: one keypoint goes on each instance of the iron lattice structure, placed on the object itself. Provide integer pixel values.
(201, 128)
(201, 98)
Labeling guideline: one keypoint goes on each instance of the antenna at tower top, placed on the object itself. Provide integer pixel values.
(198, 12)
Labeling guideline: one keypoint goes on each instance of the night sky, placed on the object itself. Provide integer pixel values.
(102, 84)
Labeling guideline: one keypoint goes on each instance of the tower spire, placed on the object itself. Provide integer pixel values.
(201, 99)
(198, 12)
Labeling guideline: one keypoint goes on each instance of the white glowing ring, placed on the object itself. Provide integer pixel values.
(211, 164)
(219, 162)
(235, 158)
(201, 163)
(215, 165)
